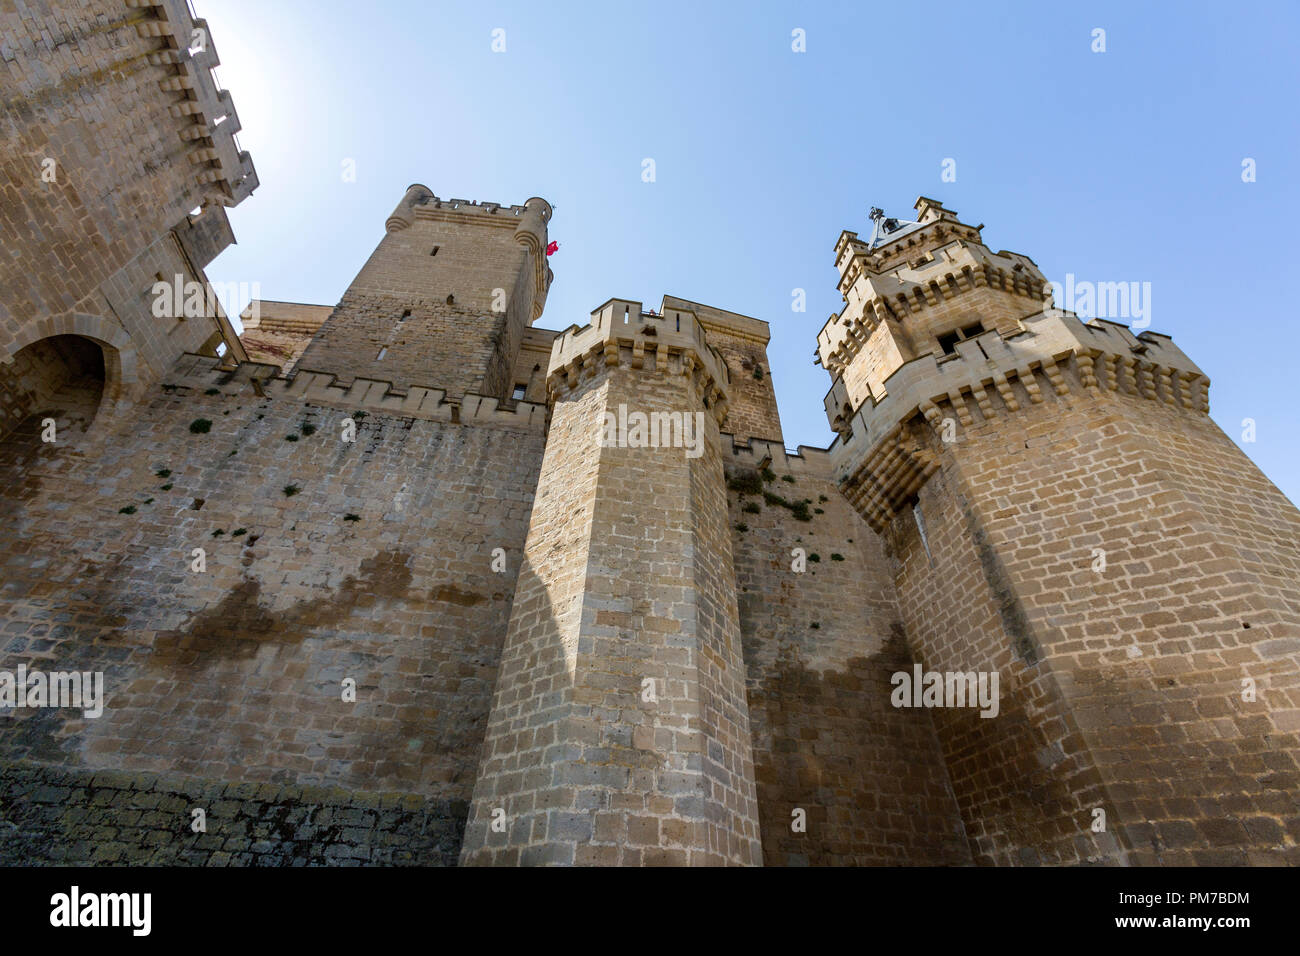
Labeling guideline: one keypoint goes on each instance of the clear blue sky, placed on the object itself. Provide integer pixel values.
(1117, 166)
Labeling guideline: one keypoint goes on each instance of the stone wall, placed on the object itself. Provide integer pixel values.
(53, 815)
(105, 148)
(280, 332)
(742, 343)
(325, 560)
(1122, 685)
(628, 578)
(820, 647)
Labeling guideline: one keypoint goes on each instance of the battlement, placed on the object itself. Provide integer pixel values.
(472, 207)
(917, 287)
(369, 395)
(880, 253)
(419, 202)
(714, 319)
(1104, 355)
(755, 455)
(621, 326)
(205, 114)
(932, 277)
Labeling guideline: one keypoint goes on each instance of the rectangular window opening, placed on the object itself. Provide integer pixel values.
(519, 393)
(382, 353)
(948, 343)
(435, 250)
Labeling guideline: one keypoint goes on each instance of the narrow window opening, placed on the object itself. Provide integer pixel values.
(519, 392)
(405, 315)
(435, 250)
(382, 353)
(920, 527)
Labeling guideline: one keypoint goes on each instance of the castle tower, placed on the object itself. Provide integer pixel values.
(89, 241)
(619, 731)
(443, 300)
(1064, 513)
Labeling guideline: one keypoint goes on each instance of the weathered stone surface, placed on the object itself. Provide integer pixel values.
(44, 820)
(373, 584)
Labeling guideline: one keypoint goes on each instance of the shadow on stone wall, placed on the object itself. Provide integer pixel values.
(870, 777)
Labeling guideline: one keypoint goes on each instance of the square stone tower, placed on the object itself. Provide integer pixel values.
(443, 300)
(1064, 513)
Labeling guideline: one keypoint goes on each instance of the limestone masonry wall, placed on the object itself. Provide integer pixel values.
(377, 567)
(534, 692)
(742, 343)
(116, 818)
(281, 331)
(376, 589)
(109, 140)
(629, 577)
(1122, 686)
(820, 647)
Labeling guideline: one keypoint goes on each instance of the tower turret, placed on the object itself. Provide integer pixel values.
(913, 288)
(1065, 515)
(619, 731)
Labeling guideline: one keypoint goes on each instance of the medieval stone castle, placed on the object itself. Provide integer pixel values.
(371, 584)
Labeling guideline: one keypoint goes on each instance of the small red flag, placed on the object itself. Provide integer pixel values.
(550, 250)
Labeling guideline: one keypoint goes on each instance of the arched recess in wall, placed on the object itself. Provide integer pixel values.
(74, 368)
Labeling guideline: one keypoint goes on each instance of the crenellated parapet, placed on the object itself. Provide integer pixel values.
(907, 293)
(362, 394)
(621, 334)
(916, 279)
(205, 114)
(756, 454)
(529, 223)
(914, 288)
(881, 461)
